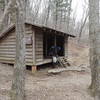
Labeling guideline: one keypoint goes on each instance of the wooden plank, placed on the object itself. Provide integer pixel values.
(11, 46)
(39, 53)
(39, 56)
(28, 28)
(39, 43)
(28, 46)
(40, 46)
(8, 45)
(10, 40)
(13, 50)
(13, 58)
(10, 52)
(38, 50)
(37, 60)
(13, 61)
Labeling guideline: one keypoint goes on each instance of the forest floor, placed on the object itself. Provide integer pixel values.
(41, 86)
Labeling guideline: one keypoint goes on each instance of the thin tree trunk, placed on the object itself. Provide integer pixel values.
(7, 10)
(5, 23)
(56, 16)
(68, 17)
(82, 27)
(48, 13)
(94, 47)
(97, 50)
(92, 38)
(37, 10)
(18, 92)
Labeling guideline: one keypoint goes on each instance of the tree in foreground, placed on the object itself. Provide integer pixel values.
(18, 92)
(94, 46)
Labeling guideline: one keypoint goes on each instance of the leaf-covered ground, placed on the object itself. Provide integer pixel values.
(40, 86)
(64, 86)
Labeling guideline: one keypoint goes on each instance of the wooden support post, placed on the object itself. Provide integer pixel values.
(55, 41)
(46, 45)
(66, 46)
(34, 69)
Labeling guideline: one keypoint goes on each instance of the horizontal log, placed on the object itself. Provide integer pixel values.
(39, 53)
(38, 49)
(14, 49)
(7, 40)
(13, 54)
(9, 57)
(8, 43)
(37, 60)
(28, 32)
(13, 62)
(39, 43)
(39, 46)
(13, 58)
(39, 56)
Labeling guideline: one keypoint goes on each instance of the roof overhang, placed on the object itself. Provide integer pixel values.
(11, 27)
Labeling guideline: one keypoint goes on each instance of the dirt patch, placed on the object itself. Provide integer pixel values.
(40, 86)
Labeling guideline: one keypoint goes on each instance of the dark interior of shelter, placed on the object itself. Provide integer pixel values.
(52, 40)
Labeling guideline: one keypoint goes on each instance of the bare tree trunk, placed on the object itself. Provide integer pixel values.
(68, 17)
(37, 10)
(5, 23)
(7, 10)
(48, 13)
(82, 27)
(18, 92)
(92, 30)
(56, 16)
(60, 24)
(97, 50)
(94, 47)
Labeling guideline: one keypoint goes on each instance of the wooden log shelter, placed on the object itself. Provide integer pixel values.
(39, 40)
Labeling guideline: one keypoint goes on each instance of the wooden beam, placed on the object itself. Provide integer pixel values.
(46, 44)
(33, 46)
(66, 46)
(55, 40)
(34, 69)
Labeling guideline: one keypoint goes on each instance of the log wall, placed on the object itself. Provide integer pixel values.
(38, 46)
(8, 47)
(34, 50)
